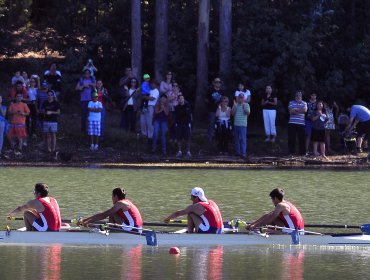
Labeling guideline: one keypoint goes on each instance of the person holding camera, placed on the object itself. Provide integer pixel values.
(90, 66)
(85, 86)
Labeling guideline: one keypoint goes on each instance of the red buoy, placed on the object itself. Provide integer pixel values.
(174, 251)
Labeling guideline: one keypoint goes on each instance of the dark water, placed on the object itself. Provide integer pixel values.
(323, 197)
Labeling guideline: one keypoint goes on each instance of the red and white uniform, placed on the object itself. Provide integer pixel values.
(294, 219)
(212, 219)
(49, 218)
(130, 217)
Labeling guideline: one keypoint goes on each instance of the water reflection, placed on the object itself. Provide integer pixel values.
(207, 263)
(132, 263)
(293, 264)
(50, 262)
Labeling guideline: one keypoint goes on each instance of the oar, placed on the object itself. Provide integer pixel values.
(158, 224)
(8, 218)
(291, 229)
(330, 226)
(150, 235)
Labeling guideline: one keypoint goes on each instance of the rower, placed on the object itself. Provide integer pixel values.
(203, 214)
(41, 213)
(284, 215)
(123, 212)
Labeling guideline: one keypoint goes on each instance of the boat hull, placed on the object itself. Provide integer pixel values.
(173, 239)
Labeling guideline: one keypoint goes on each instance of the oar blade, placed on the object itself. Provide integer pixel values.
(151, 238)
(365, 228)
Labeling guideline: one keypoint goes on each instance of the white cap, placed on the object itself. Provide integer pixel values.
(198, 192)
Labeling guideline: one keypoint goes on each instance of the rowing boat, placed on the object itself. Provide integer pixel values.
(103, 237)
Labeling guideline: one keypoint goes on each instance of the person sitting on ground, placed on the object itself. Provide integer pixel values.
(41, 213)
(284, 215)
(319, 120)
(203, 214)
(183, 122)
(95, 107)
(359, 117)
(18, 112)
(51, 111)
(123, 212)
(223, 125)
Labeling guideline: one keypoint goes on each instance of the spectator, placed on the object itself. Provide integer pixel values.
(160, 119)
(296, 127)
(359, 117)
(269, 104)
(166, 85)
(103, 98)
(244, 91)
(183, 120)
(125, 81)
(173, 102)
(17, 77)
(144, 110)
(42, 96)
(54, 79)
(318, 129)
(85, 86)
(26, 80)
(90, 66)
(130, 105)
(51, 110)
(3, 125)
(31, 120)
(17, 128)
(311, 108)
(212, 101)
(331, 108)
(18, 88)
(94, 107)
(240, 111)
(343, 121)
(223, 125)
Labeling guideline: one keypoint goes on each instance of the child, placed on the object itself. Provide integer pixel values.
(94, 121)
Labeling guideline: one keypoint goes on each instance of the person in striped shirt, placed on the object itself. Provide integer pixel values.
(296, 128)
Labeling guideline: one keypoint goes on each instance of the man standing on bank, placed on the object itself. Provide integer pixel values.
(203, 215)
(284, 215)
(41, 213)
(123, 212)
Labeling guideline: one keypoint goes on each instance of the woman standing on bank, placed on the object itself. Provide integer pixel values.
(269, 104)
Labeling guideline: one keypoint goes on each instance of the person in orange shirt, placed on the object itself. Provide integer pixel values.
(18, 112)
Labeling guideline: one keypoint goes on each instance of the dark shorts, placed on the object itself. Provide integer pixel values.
(183, 131)
(363, 129)
(318, 135)
(40, 223)
(211, 230)
(308, 127)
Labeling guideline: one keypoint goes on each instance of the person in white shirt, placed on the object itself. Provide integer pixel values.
(148, 114)
(244, 91)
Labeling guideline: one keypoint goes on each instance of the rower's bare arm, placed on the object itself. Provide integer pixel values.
(179, 213)
(30, 205)
(101, 216)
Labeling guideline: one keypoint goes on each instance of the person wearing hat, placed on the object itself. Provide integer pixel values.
(203, 214)
(212, 100)
(94, 126)
(51, 110)
(144, 110)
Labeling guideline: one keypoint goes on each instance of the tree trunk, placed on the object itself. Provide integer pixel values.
(136, 39)
(161, 40)
(225, 41)
(202, 58)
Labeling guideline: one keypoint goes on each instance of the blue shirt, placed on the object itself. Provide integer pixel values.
(360, 112)
(145, 88)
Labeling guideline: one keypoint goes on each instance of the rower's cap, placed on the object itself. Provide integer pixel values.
(198, 192)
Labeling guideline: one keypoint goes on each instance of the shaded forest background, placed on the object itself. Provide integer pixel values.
(321, 46)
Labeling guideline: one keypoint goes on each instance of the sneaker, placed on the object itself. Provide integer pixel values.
(179, 154)
(267, 139)
(188, 154)
(273, 140)
(359, 150)
(92, 147)
(96, 147)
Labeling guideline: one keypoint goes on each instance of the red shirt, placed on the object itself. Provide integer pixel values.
(294, 219)
(212, 214)
(51, 213)
(132, 216)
